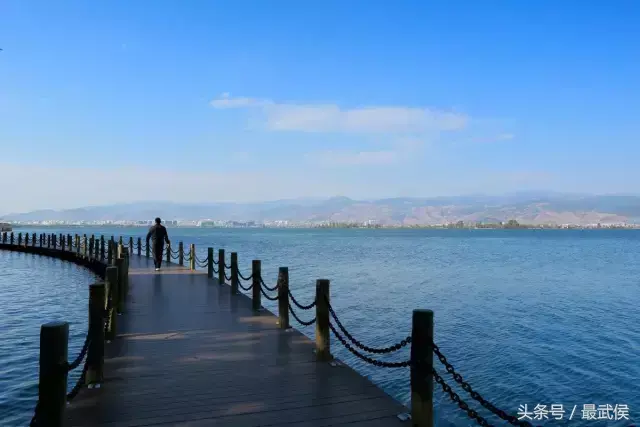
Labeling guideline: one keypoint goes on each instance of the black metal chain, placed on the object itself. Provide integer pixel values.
(461, 403)
(243, 288)
(300, 306)
(76, 388)
(227, 266)
(244, 278)
(270, 289)
(267, 296)
(367, 358)
(309, 323)
(366, 348)
(227, 277)
(475, 395)
(76, 363)
(34, 420)
(215, 270)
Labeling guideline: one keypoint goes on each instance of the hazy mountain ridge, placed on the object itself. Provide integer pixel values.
(530, 208)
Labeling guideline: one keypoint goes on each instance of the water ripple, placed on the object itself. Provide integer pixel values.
(527, 316)
(35, 290)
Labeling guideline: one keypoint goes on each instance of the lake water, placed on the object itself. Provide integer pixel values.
(526, 316)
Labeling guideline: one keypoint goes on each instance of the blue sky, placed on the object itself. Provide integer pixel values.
(256, 100)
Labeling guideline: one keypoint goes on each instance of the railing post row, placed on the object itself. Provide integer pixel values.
(256, 272)
(209, 263)
(422, 368)
(52, 386)
(323, 342)
(111, 284)
(234, 273)
(95, 352)
(221, 262)
(283, 297)
(120, 296)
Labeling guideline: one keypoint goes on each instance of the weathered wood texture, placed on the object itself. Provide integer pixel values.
(188, 353)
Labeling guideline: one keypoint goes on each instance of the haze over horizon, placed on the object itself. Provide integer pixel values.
(506, 196)
(104, 103)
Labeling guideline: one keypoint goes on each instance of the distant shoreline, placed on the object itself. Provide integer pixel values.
(323, 227)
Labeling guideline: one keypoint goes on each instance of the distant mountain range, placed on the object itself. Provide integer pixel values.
(529, 208)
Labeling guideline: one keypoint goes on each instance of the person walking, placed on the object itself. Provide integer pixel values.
(159, 234)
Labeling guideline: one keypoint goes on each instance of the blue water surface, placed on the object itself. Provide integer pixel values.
(527, 316)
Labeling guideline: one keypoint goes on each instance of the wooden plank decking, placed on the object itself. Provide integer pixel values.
(190, 354)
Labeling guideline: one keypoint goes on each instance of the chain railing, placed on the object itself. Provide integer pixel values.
(325, 318)
(104, 301)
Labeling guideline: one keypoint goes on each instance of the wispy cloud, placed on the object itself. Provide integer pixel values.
(354, 158)
(501, 137)
(333, 118)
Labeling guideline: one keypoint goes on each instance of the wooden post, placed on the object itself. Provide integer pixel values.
(139, 246)
(77, 240)
(33, 242)
(210, 262)
(54, 242)
(11, 238)
(121, 296)
(168, 252)
(19, 239)
(323, 343)
(221, 266)
(120, 240)
(131, 245)
(4, 237)
(148, 249)
(180, 254)
(52, 388)
(192, 260)
(26, 239)
(283, 297)
(109, 253)
(95, 353)
(125, 284)
(48, 240)
(421, 372)
(234, 273)
(256, 273)
(63, 243)
(120, 250)
(111, 284)
(69, 243)
(90, 249)
(102, 248)
(96, 251)
(84, 240)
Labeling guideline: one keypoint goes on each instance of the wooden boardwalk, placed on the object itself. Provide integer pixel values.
(188, 353)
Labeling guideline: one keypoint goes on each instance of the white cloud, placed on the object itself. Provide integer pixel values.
(505, 136)
(332, 118)
(225, 101)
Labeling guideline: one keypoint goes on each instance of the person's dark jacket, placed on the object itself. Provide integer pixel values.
(158, 233)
